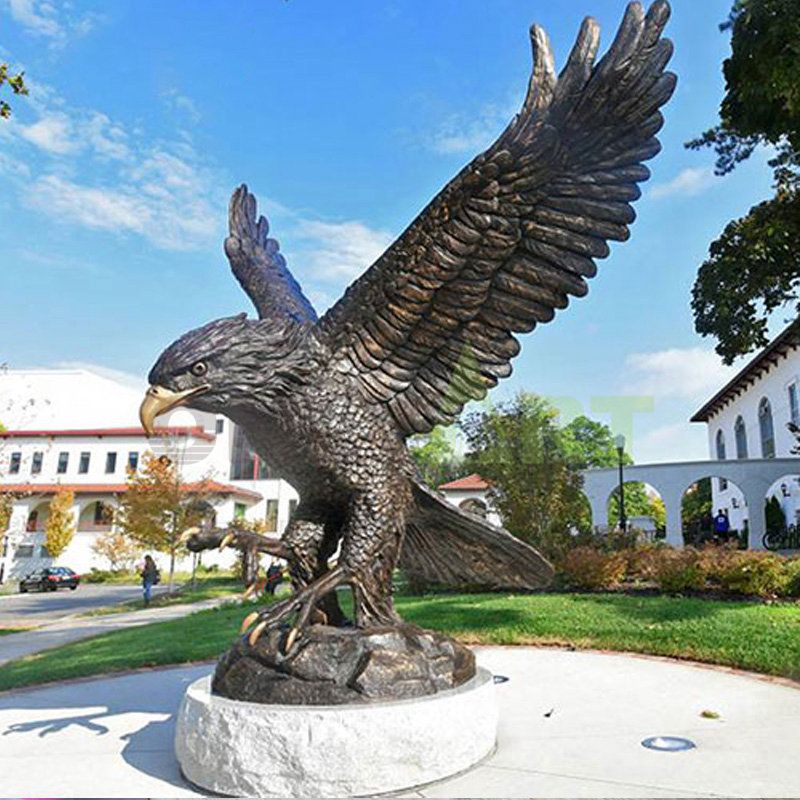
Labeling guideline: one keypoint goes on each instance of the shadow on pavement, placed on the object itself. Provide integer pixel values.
(138, 710)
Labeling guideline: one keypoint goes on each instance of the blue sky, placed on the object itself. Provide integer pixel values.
(344, 118)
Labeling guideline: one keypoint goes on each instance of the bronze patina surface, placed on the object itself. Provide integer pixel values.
(328, 402)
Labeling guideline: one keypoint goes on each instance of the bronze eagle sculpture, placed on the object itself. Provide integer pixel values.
(431, 325)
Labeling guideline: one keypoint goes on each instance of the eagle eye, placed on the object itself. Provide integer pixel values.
(199, 369)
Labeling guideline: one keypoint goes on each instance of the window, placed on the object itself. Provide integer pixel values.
(740, 432)
(766, 429)
(33, 519)
(44, 552)
(133, 461)
(36, 464)
(239, 510)
(111, 463)
(720, 443)
(245, 464)
(83, 464)
(24, 551)
(220, 426)
(794, 409)
(63, 463)
(292, 508)
(271, 517)
(13, 465)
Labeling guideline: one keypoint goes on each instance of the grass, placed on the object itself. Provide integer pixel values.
(753, 636)
(205, 588)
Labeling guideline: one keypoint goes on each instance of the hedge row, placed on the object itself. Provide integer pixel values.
(718, 569)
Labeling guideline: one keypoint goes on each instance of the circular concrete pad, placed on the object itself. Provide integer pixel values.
(237, 748)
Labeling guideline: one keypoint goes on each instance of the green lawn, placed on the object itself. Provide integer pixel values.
(204, 589)
(755, 636)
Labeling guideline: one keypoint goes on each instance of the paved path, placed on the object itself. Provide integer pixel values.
(38, 608)
(16, 645)
(600, 708)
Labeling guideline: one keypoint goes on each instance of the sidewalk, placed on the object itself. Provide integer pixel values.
(72, 629)
(571, 725)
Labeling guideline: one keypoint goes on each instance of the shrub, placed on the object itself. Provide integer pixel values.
(716, 559)
(791, 571)
(642, 560)
(105, 575)
(761, 574)
(589, 568)
(679, 570)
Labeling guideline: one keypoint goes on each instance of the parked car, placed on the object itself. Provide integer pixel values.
(50, 579)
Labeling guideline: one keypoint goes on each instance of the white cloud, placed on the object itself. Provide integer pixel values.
(126, 183)
(182, 104)
(689, 373)
(336, 250)
(462, 134)
(688, 182)
(52, 21)
(52, 133)
(681, 441)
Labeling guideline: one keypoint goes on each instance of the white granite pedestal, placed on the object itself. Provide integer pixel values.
(249, 749)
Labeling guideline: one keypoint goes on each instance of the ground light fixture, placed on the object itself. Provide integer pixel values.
(668, 744)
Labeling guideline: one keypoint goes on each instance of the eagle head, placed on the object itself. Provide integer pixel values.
(225, 364)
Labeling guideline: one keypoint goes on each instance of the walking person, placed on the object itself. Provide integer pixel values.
(150, 577)
(722, 526)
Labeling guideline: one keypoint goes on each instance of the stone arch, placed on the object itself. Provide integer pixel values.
(37, 516)
(96, 515)
(706, 498)
(782, 503)
(645, 508)
(474, 505)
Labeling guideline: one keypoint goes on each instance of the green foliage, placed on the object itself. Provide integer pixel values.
(435, 456)
(792, 577)
(754, 266)
(590, 445)
(696, 509)
(637, 504)
(761, 574)
(774, 516)
(589, 568)
(16, 84)
(679, 570)
(519, 448)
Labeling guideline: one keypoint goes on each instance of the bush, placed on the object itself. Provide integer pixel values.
(589, 568)
(107, 575)
(761, 574)
(642, 561)
(791, 571)
(679, 570)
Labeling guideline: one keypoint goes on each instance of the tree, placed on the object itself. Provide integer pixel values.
(60, 526)
(17, 85)
(6, 507)
(519, 448)
(156, 508)
(590, 445)
(754, 266)
(773, 514)
(435, 456)
(119, 550)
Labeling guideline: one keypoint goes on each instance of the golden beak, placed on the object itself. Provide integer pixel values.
(159, 400)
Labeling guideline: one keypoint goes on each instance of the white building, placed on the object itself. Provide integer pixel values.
(471, 493)
(78, 430)
(751, 449)
(748, 419)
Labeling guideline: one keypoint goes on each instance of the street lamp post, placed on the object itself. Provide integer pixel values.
(619, 443)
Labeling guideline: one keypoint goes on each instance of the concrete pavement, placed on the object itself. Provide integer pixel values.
(25, 643)
(38, 608)
(571, 724)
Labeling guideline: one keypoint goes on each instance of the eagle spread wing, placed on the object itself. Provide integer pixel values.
(258, 265)
(431, 324)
